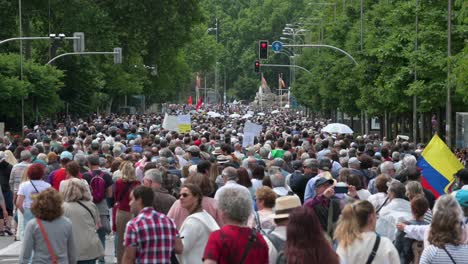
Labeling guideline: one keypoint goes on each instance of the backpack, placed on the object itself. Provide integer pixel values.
(279, 244)
(98, 187)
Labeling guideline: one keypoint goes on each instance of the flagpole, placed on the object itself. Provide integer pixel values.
(280, 91)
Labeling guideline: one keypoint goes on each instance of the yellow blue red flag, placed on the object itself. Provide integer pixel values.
(438, 164)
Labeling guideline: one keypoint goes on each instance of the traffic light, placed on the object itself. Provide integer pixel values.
(117, 56)
(257, 66)
(263, 49)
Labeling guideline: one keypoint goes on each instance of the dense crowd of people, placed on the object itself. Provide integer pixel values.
(297, 195)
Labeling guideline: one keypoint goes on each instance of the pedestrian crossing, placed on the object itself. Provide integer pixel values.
(10, 253)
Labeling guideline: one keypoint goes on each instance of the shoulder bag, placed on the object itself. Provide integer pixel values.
(374, 250)
(46, 239)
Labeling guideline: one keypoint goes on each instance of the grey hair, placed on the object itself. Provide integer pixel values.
(179, 151)
(81, 159)
(43, 157)
(277, 180)
(409, 161)
(397, 188)
(25, 155)
(279, 162)
(192, 170)
(154, 175)
(165, 152)
(386, 167)
(102, 161)
(264, 152)
(236, 204)
(304, 156)
(76, 190)
(447, 203)
(230, 173)
(396, 155)
(287, 157)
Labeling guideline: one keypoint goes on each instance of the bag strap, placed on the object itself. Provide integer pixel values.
(374, 250)
(252, 239)
(450, 256)
(33, 186)
(46, 239)
(127, 187)
(87, 209)
(381, 206)
(330, 219)
(257, 219)
(277, 242)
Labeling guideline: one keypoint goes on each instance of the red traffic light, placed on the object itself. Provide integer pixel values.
(257, 66)
(263, 50)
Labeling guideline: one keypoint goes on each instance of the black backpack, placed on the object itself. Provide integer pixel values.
(279, 245)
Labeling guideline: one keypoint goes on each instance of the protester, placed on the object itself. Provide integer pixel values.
(276, 239)
(235, 242)
(306, 242)
(357, 240)
(410, 249)
(197, 227)
(397, 210)
(84, 217)
(6, 195)
(144, 227)
(446, 234)
(265, 199)
(100, 184)
(123, 187)
(380, 198)
(179, 214)
(163, 201)
(28, 189)
(48, 238)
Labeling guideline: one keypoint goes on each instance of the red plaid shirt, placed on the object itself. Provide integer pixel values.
(153, 234)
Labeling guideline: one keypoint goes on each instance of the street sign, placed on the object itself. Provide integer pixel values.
(277, 46)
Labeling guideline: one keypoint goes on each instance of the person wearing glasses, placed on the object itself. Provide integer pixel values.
(197, 227)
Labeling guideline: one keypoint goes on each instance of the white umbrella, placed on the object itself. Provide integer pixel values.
(234, 116)
(275, 111)
(210, 113)
(337, 128)
(261, 114)
(246, 116)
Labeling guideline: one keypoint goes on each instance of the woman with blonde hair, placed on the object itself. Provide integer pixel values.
(446, 234)
(84, 215)
(357, 240)
(122, 188)
(10, 157)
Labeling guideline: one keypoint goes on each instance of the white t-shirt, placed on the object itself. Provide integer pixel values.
(27, 189)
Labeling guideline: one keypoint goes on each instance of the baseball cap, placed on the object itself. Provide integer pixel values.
(321, 181)
(462, 198)
(66, 155)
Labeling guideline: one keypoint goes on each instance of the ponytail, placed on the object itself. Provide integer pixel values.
(353, 218)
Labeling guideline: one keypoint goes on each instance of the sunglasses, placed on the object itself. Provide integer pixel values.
(185, 195)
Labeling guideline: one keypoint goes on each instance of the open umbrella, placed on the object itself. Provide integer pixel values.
(261, 114)
(234, 116)
(337, 128)
(246, 116)
(275, 111)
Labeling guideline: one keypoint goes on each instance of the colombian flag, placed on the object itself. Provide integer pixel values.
(438, 165)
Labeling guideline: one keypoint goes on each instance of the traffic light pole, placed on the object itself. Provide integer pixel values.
(34, 38)
(83, 53)
(285, 65)
(322, 46)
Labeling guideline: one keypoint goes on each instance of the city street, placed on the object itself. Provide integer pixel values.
(10, 250)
